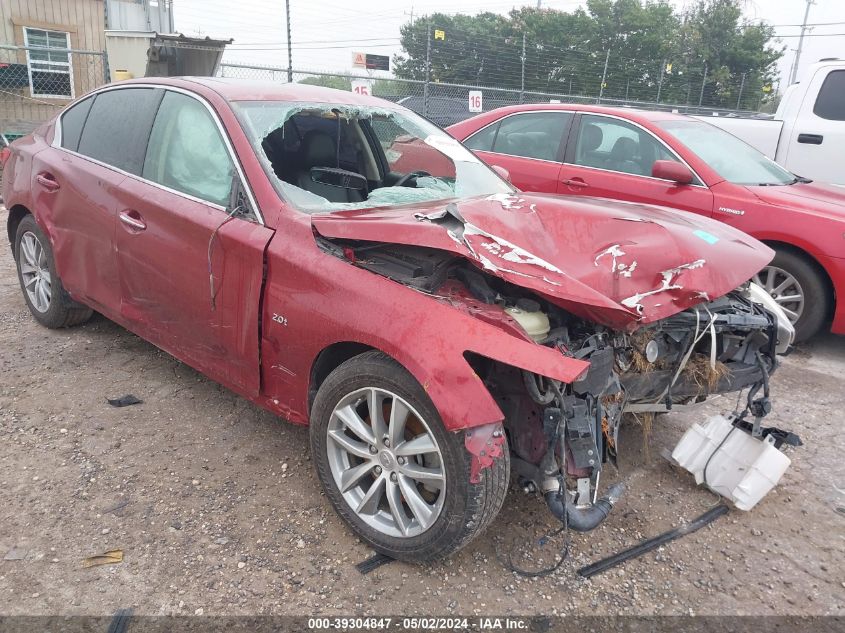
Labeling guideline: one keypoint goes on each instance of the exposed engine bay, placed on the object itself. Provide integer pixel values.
(562, 435)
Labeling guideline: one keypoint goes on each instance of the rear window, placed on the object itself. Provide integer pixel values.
(830, 104)
(118, 127)
(72, 122)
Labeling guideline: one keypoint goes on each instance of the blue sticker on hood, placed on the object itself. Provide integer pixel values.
(704, 235)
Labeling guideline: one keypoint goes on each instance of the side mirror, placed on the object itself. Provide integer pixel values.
(341, 178)
(672, 170)
(504, 174)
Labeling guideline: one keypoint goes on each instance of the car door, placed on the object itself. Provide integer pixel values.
(190, 248)
(815, 139)
(528, 144)
(77, 185)
(609, 157)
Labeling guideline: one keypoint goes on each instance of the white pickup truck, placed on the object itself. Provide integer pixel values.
(807, 134)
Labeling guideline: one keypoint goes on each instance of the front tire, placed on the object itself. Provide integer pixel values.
(798, 287)
(45, 296)
(398, 478)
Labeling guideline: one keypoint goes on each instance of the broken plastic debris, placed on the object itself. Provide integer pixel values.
(125, 401)
(16, 553)
(110, 557)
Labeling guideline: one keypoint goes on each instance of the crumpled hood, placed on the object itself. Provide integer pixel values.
(616, 263)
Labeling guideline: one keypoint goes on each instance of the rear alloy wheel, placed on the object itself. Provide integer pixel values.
(389, 467)
(42, 289)
(799, 289)
(35, 274)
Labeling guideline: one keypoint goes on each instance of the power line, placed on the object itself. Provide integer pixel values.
(812, 35)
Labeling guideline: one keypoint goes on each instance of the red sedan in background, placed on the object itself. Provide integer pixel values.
(684, 163)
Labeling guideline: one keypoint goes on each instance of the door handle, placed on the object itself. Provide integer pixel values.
(133, 220)
(810, 139)
(47, 181)
(574, 182)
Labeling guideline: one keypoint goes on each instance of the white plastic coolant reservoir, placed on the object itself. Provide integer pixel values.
(743, 469)
(527, 313)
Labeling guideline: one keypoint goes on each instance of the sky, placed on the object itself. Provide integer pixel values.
(325, 33)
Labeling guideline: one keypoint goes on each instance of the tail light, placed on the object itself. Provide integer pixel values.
(5, 153)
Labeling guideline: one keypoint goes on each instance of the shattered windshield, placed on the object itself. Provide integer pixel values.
(329, 157)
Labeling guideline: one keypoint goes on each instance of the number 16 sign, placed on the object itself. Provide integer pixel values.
(475, 101)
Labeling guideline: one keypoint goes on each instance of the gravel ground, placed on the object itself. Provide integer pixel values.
(217, 509)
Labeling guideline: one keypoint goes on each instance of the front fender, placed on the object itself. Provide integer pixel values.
(314, 300)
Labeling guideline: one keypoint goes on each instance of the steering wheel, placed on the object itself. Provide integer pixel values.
(402, 182)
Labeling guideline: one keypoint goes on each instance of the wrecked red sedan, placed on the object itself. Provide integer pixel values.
(433, 326)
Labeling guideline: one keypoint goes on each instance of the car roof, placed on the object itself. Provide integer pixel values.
(633, 114)
(232, 89)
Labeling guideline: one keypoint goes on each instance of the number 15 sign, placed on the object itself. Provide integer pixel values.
(475, 101)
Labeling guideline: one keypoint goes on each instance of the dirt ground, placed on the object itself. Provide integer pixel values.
(217, 510)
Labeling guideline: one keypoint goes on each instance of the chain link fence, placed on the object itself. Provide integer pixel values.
(37, 81)
(448, 103)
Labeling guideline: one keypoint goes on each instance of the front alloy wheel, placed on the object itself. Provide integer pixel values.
(798, 285)
(386, 462)
(392, 471)
(784, 288)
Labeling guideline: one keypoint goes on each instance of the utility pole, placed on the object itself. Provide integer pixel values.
(703, 82)
(522, 78)
(290, 61)
(604, 75)
(800, 43)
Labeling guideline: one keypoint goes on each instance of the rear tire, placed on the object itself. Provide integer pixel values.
(791, 275)
(453, 514)
(45, 296)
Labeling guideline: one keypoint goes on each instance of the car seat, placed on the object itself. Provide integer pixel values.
(318, 149)
(591, 139)
(622, 156)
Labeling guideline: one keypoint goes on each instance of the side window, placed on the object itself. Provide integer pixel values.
(72, 121)
(483, 139)
(617, 146)
(532, 135)
(830, 104)
(186, 151)
(118, 126)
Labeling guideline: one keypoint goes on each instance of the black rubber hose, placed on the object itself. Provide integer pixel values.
(583, 519)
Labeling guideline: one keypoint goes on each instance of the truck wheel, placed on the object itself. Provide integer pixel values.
(799, 289)
(42, 288)
(390, 468)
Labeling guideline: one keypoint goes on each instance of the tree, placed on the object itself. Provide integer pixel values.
(328, 81)
(654, 50)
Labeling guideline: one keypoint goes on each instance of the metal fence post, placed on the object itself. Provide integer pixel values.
(660, 82)
(427, 66)
(522, 76)
(604, 75)
(741, 88)
(703, 81)
(290, 60)
(106, 73)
